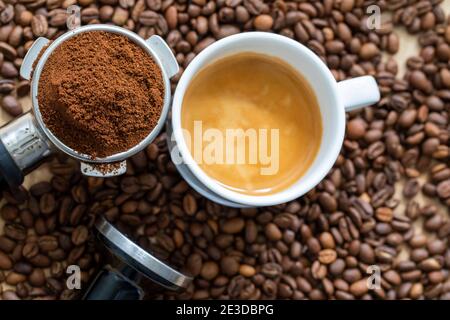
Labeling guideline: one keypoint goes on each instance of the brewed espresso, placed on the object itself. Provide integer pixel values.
(252, 123)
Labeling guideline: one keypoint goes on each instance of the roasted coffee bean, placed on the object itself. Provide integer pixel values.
(16, 254)
(7, 245)
(327, 240)
(5, 261)
(368, 51)
(40, 261)
(77, 214)
(367, 254)
(327, 256)
(80, 235)
(9, 212)
(273, 233)
(209, 270)
(7, 14)
(263, 22)
(39, 25)
(194, 264)
(14, 278)
(255, 7)
(130, 185)
(420, 81)
(384, 214)
(37, 278)
(15, 231)
(54, 285)
(190, 205)
(148, 18)
(247, 270)
(79, 194)
(356, 128)
(8, 51)
(443, 189)
(40, 188)
(234, 225)
(411, 188)
(11, 105)
(57, 254)
(47, 204)
(47, 243)
(8, 70)
(57, 17)
(16, 35)
(229, 265)
(22, 290)
(6, 86)
(75, 254)
(65, 242)
(23, 268)
(30, 250)
(40, 226)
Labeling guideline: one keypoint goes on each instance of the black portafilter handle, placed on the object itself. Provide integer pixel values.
(115, 284)
(121, 283)
(10, 174)
(23, 146)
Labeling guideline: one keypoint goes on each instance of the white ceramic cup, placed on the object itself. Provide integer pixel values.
(335, 98)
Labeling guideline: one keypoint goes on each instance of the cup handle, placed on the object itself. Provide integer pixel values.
(358, 92)
(164, 53)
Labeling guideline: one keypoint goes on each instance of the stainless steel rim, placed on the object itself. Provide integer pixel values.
(140, 259)
(71, 152)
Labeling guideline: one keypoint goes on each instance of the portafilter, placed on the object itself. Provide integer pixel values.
(26, 141)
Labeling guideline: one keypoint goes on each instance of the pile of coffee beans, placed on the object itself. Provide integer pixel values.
(365, 215)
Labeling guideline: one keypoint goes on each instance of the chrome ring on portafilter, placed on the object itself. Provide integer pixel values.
(120, 283)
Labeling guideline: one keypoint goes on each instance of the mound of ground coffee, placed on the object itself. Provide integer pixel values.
(100, 93)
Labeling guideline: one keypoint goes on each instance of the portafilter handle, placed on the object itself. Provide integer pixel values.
(115, 284)
(22, 147)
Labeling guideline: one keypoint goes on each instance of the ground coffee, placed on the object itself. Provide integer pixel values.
(100, 93)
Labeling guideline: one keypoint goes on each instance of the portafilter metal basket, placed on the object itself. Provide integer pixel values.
(26, 140)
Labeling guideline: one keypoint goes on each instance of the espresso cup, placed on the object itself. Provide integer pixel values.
(334, 99)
